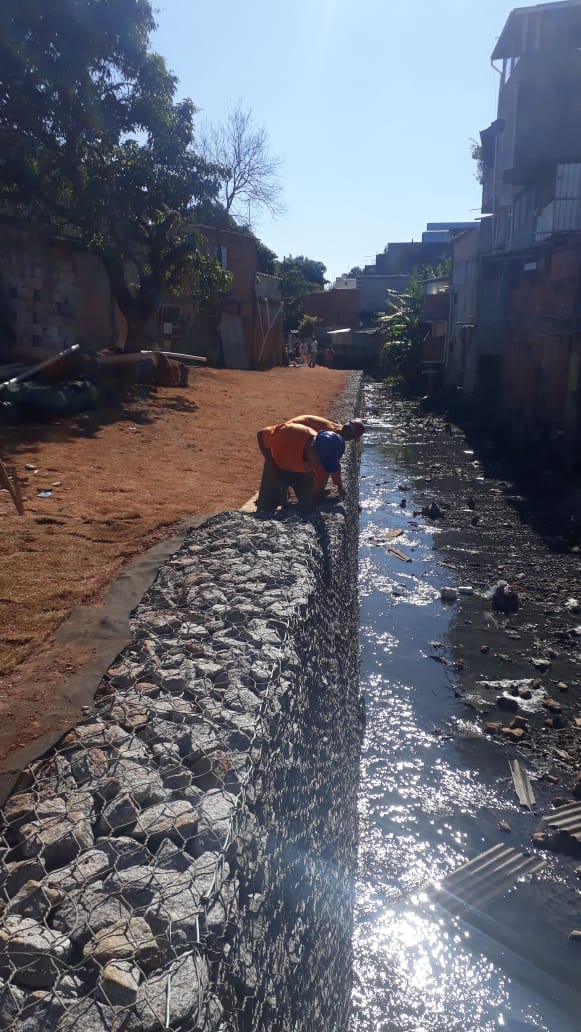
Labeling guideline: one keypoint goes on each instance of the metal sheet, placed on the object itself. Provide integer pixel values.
(566, 819)
(489, 876)
(568, 180)
(522, 785)
(232, 333)
(567, 214)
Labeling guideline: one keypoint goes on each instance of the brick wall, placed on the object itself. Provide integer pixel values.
(337, 308)
(53, 296)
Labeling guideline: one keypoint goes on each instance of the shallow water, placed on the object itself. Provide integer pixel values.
(432, 793)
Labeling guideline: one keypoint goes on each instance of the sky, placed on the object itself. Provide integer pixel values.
(371, 104)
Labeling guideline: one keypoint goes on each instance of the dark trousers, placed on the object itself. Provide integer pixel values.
(275, 484)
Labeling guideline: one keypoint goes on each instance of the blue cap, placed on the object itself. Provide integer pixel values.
(330, 447)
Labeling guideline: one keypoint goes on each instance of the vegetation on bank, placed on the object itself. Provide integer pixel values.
(404, 330)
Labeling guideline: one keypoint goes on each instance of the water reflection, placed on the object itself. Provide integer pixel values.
(425, 805)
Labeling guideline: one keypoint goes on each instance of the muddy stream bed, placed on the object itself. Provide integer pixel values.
(489, 948)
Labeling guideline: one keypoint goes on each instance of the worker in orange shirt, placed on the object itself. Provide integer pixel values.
(299, 457)
(349, 431)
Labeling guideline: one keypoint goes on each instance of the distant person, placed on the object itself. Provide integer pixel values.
(303, 351)
(298, 457)
(313, 350)
(329, 356)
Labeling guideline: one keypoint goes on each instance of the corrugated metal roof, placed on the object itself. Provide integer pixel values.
(509, 43)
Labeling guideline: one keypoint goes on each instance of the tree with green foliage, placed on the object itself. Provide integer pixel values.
(93, 141)
(312, 272)
(404, 331)
(299, 276)
(307, 326)
(478, 156)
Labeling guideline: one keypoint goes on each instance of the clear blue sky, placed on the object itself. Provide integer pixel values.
(371, 104)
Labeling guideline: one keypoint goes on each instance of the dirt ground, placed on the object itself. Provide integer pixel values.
(119, 481)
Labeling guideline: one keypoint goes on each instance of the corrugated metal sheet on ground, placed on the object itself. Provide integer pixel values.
(489, 876)
(566, 819)
(522, 785)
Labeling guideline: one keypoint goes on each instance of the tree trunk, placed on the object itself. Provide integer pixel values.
(136, 321)
(136, 310)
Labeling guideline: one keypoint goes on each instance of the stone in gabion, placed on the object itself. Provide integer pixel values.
(189, 982)
(33, 954)
(119, 983)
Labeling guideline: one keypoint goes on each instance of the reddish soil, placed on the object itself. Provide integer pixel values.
(121, 480)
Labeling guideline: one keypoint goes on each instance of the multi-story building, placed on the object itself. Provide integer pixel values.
(515, 326)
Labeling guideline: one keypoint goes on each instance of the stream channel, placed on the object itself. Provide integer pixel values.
(433, 791)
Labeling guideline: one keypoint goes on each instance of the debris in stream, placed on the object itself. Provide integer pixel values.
(399, 555)
(432, 511)
(522, 784)
(540, 663)
(507, 702)
(575, 935)
(566, 821)
(504, 599)
(514, 733)
(552, 705)
(572, 605)
(448, 594)
(504, 826)
(555, 723)
(487, 877)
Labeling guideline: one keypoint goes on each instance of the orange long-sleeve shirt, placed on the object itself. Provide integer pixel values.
(286, 443)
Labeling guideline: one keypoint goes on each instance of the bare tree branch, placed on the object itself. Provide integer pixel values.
(252, 173)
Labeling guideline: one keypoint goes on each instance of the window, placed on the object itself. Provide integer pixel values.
(223, 256)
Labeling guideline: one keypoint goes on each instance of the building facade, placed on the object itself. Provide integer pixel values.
(515, 314)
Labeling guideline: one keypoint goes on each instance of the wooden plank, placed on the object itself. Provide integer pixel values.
(14, 492)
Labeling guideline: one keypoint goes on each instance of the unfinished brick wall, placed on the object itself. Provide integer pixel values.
(52, 296)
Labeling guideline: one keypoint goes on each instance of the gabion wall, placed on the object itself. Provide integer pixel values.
(185, 859)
